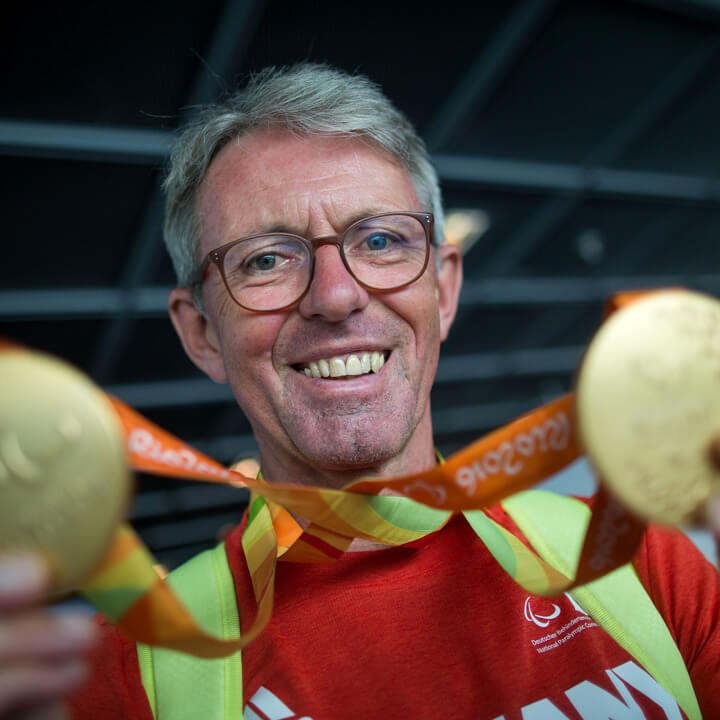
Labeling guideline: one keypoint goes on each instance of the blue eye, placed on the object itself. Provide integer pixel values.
(264, 262)
(377, 241)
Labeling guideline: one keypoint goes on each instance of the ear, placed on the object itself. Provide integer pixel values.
(197, 334)
(449, 282)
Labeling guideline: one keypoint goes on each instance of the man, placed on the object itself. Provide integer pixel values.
(333, 366)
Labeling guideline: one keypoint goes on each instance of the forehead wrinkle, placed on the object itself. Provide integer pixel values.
(336, 172)
(305, 209)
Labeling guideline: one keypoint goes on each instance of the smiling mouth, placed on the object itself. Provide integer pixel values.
(344, 366)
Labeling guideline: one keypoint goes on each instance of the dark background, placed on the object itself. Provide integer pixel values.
(586, 132)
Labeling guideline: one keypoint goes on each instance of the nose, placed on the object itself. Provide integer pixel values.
(334, 294)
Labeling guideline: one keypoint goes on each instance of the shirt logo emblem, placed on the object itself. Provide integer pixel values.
(540, 620)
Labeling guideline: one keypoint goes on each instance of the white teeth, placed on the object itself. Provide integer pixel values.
(354, 365)
(337, 367)
(365, 362)
(377, 361)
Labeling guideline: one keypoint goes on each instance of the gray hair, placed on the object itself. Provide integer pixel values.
(304, 99)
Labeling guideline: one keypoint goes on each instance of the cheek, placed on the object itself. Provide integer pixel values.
(247, 343)
(418, 306)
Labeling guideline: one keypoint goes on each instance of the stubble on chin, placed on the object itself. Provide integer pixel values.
(351, 434)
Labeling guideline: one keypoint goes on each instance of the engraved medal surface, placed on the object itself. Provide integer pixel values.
(648, 403)
(64, 480)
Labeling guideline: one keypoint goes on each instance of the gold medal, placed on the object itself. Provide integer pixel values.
(64, 480)
(648, 404)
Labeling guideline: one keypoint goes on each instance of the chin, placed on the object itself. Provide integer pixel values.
(347, 456)
(361, 443)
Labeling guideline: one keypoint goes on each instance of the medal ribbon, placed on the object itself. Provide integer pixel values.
(393, 511)
(506, 461)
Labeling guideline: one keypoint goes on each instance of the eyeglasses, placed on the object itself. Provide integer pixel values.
(273, 271)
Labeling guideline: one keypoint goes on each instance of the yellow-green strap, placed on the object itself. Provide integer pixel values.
(147, 673)
(183, 687)
(555, 526)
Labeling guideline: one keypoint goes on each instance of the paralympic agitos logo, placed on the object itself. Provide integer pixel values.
(536, 610)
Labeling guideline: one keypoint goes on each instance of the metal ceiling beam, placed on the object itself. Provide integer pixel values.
(515, 363)
(132, 145)
(196, 498)
(143, 259)
(473, 418)
(230, 41)
(551, 214)
(644, 244)
(83, 142)
(179, 533)
(228, 448)
(152, 301)
(102, 144)
(82, 302)
(488, 70)
(559, 178)
(171, 393)
(568, 290)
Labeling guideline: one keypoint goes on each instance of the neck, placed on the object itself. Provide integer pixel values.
(417, 456)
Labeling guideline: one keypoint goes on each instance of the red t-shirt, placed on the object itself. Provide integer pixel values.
(441, 631)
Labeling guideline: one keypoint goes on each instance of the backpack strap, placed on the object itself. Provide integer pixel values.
(184, 687)
(555, 526)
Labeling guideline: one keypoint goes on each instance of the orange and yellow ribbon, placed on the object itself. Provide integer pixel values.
(498, 465)
(392, 511)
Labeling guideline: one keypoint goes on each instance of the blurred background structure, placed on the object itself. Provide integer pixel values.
(578, 139)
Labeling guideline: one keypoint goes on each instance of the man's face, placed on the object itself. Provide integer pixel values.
(373, 421)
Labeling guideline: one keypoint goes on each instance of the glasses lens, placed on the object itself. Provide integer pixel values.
(267, 272)
(388, 251)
